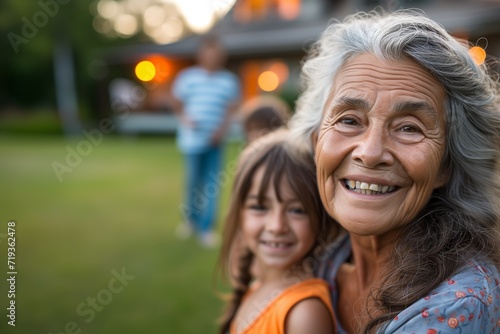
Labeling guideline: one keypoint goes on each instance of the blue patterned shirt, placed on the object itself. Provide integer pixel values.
(468, 302)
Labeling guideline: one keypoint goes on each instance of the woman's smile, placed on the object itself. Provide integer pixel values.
(365, 188)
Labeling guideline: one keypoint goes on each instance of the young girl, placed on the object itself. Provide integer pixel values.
(276, 220)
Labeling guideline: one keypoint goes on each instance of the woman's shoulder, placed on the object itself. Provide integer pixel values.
(481, 279)
(476, 279)
(470, 299)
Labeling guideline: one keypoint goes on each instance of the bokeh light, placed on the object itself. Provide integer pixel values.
(108, 9)
(268, 81)
(289, 9)
(155, 68)
(126, 25)
(102, 26)
(136, 6)
(145, 70)
(154, 16)
(163, 68)
(199, 20)
(281, 69)
(163, 21)
(170, 30)
(478, 54)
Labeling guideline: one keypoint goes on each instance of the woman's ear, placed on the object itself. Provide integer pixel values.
(442, 178)
(314, 140)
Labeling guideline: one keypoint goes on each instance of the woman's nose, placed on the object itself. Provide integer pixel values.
(372, 149)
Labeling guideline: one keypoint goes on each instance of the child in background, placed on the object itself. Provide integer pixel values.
(264, 114)
(277, 216)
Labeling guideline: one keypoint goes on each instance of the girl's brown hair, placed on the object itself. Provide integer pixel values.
(280, 159)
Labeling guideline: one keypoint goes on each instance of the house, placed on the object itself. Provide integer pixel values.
(265, 42)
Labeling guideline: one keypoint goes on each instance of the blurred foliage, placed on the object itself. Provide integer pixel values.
(37, 122)
(27, 75)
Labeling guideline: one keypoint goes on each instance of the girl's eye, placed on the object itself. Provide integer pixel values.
(297, 211)
(256, 207)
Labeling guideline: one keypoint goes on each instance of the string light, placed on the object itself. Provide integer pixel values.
(478, 54)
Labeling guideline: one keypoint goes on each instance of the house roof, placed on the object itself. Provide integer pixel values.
(278, 37)
(254, 39)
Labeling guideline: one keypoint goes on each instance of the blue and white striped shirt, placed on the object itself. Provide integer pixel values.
(206, 97)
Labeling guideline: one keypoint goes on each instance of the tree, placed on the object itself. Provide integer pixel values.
(31, 31)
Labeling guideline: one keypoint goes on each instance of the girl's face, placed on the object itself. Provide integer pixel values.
(279, 233)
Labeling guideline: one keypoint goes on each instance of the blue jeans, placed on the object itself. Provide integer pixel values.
(202, 188)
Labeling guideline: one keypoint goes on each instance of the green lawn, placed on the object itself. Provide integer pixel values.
(116, 211)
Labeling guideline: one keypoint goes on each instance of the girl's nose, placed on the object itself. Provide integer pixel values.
(277, 222)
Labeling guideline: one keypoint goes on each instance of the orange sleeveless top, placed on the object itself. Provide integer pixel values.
(272, 318)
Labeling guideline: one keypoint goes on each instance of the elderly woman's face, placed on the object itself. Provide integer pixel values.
(380, 145)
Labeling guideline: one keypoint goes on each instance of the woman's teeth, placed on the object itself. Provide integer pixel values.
(368, 188)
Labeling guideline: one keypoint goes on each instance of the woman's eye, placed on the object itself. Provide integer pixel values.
(409, 128)
(348, 125)
(409, 133)
(349, 121)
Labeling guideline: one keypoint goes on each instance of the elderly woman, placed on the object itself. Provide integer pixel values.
(405, 130)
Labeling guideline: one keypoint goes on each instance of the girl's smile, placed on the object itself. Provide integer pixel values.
(277, 230)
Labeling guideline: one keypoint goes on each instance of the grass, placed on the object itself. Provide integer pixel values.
(116, 211)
